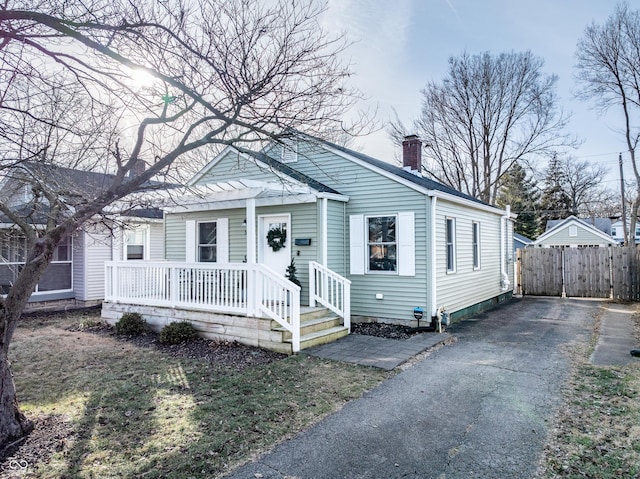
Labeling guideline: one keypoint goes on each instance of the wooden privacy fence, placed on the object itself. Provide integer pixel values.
(605, 272)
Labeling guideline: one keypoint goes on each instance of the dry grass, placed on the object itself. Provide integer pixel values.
(135, 412)
(597, 431)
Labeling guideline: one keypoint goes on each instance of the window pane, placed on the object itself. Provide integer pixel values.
(450, 234)
(207, 233)
(8, 275)
(56, 277)
(207, 253)
(135, 251)
(382, 229)
(63, 251)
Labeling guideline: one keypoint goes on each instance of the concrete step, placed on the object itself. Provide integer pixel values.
(322, 337)
(307, 314)
(311, 326)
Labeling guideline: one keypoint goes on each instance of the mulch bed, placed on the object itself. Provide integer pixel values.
(230, 354)
(381, 330)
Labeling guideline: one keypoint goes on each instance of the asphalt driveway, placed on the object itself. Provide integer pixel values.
(479, 408)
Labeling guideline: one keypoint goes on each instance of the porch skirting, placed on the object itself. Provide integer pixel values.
(215, 326)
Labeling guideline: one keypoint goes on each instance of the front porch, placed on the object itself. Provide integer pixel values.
(248, 303)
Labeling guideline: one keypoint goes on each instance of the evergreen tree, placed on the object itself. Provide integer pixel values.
(555, 202)
(518, 191)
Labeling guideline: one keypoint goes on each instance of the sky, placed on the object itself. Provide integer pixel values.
(400, 45)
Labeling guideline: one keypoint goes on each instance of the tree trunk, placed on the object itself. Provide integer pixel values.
(13, 424)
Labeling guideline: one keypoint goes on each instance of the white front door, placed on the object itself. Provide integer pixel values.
(280, 259)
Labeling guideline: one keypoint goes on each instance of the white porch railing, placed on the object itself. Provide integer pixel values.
(236, 288)
(331, 290)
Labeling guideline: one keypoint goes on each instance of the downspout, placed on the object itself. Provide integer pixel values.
(434, 302)
(504, 281)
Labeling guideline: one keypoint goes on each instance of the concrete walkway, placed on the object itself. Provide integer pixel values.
(616, 338)
(377, 352)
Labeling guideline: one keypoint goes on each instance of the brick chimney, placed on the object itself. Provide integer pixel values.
(412, 154)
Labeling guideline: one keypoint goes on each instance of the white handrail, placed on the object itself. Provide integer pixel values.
(238, 288)
(331, 290)
(279, 299)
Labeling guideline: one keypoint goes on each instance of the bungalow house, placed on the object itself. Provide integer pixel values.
(369, 241)
(573, 232)
(75, 278)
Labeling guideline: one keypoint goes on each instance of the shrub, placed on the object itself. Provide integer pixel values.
(176, 333)
(131, 324)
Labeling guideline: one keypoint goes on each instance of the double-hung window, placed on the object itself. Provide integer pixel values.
(208, 241)
(476, 245)
(450, 232)
(381, 243)
(136, 239)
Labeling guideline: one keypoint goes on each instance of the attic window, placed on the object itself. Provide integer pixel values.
(573, 231)
(289, 150)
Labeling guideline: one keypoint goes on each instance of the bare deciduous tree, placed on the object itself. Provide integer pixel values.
(103, 84)
(582, 182)
(608, 70)
(489, 112)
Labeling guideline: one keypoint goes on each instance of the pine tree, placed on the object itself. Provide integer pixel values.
(555, 202)
(518, 191)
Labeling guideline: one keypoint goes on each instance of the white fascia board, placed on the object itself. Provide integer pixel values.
(139, 219)
(334, 196)
(241, 203)
(210, 165)
(471, 204)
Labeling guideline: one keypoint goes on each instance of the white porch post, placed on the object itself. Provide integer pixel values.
(252, 293)
(325, 234)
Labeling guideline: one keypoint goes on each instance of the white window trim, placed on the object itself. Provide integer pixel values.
(366, 245)
(477, 247)
(453, 242)
(145, 245)
(573, 231)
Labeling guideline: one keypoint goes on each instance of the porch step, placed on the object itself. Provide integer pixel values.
(317, 326)
(309, 326)
(322, 337)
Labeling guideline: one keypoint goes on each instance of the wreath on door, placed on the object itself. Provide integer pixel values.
(277, 238)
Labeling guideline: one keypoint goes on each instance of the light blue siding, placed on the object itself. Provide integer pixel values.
(234, 166)
(468, 286)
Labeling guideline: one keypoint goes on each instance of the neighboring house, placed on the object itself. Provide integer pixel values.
(574, 232)
(369, 240)
(617, 232)
(520, 241)
(75, 277)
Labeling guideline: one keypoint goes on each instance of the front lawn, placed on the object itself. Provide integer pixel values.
(105, 407)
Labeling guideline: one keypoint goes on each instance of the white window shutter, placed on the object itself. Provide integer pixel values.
(356, 244)
(190, 241)
(406, 244)
(222, 239)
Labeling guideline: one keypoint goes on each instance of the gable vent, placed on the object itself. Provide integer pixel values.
(289, 150)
